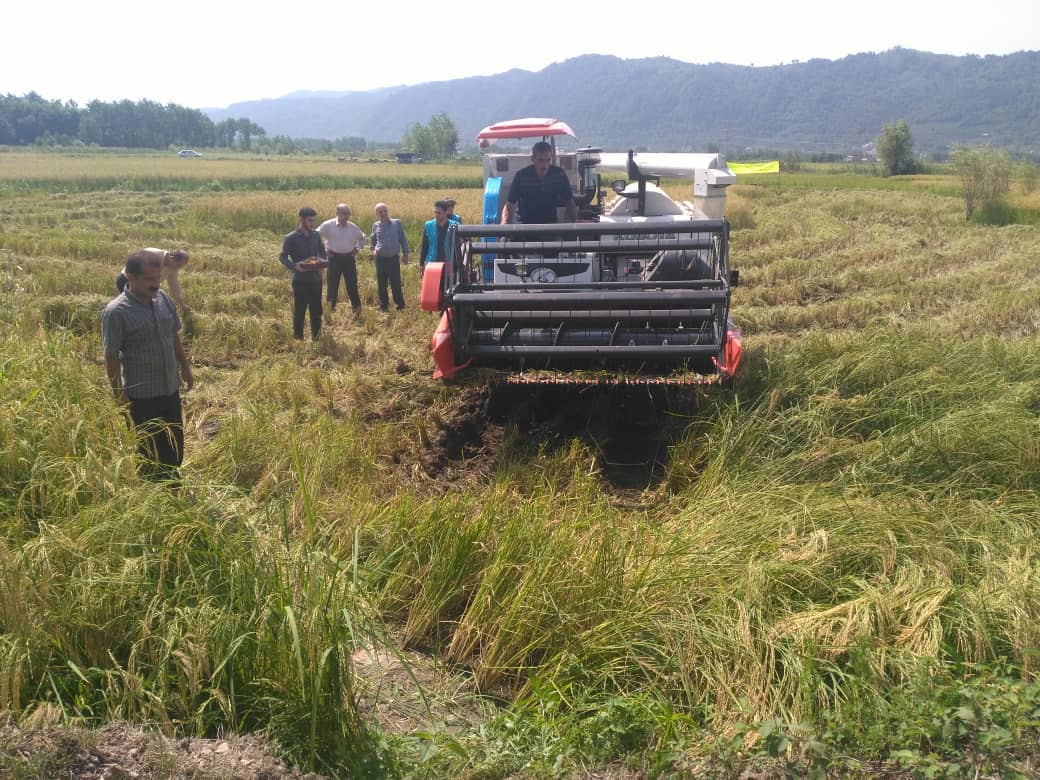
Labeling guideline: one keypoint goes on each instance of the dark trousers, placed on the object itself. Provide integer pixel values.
(388, 269)
(306, 297)
(342, 265)
(160, 430)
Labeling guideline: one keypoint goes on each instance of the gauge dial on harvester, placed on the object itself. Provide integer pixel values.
(542, 275)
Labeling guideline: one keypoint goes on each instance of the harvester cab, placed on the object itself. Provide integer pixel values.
(637, 291)
(500, 168)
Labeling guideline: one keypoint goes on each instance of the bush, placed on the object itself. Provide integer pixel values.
(951, 721)
(985, 175)
(995, 212)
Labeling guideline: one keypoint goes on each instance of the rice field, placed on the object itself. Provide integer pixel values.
(93, 170)
(831, 568)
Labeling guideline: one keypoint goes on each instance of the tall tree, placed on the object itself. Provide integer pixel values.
(418, 140)
(434, 141)
(31, 119)
(895, 148)
(225, 131)
(444, 136)
(246, 129)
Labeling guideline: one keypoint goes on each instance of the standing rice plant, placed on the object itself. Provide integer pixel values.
(160, 611)
(63, 443)
(122, 600)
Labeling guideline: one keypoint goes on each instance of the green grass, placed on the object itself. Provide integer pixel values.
(858, 512)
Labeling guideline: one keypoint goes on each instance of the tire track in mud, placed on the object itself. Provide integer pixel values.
(630, 428)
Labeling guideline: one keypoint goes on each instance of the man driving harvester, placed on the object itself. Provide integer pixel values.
(537, 191)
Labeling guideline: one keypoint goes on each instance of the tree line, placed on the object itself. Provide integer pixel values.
(32, 120)
(29, 120)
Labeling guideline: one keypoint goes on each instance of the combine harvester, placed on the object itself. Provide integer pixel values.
(636, 292)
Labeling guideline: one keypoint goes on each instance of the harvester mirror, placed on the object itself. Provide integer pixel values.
(618, 185)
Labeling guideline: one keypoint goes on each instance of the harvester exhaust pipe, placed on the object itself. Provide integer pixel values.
(637, 175)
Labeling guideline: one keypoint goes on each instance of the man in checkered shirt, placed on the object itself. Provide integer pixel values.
(147, 365)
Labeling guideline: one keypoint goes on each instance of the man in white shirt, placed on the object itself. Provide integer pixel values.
(342, 240)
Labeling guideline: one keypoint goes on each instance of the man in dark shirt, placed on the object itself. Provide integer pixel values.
(304, 254)
(538, 189)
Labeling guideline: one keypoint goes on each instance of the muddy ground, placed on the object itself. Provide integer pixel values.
(629, 427)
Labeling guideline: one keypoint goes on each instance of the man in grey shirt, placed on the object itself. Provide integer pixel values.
(389, 243)
(146, 364)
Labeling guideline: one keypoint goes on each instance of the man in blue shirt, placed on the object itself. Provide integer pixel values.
(538, 190)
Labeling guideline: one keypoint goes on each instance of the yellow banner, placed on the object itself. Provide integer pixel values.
(755, 167)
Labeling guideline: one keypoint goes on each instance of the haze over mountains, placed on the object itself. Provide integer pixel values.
(664, 104)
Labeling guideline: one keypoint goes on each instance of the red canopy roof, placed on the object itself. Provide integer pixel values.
(531, 127)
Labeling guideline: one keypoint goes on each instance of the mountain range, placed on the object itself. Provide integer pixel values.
(663, 104)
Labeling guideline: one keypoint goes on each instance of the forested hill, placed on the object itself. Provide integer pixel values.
(664, 104)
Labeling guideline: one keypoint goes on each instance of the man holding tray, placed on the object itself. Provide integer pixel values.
(304, 254)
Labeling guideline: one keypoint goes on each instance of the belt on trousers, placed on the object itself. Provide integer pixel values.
(169, 397)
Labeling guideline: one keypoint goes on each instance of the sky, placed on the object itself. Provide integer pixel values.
(212, 54)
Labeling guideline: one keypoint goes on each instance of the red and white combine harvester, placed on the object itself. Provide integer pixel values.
(636, 291)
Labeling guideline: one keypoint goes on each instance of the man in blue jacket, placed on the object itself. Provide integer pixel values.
(452, 216)
(435, 236)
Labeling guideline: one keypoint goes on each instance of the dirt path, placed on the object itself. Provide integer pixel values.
(120, 751)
